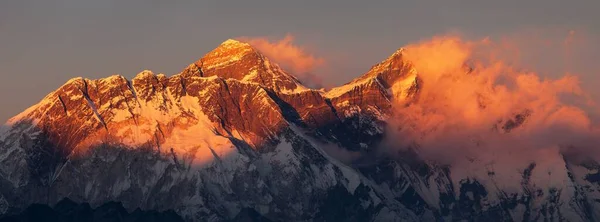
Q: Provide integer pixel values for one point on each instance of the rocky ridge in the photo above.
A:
(234, 132)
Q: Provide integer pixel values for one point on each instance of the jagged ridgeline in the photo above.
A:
(234, 135)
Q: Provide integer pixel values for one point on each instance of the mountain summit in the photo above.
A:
(235, 136)
(239, 60)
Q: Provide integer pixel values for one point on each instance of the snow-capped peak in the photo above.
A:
(144, 74)
(232, 43)
(392, 74)
(398, 51)
(239, 60)
(230, 51)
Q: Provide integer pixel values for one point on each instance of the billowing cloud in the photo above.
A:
(290, 56)
(477, 103)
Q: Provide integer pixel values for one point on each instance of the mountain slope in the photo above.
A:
(233, 134)
(205, 145)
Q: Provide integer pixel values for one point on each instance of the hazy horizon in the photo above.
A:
(45, 43)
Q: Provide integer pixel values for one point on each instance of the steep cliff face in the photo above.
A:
(233, 134)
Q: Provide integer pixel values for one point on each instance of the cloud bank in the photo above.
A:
(476, 102)
(290, 56)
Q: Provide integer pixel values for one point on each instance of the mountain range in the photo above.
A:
(235, 133)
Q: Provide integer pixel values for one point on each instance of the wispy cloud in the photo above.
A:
(292, 57)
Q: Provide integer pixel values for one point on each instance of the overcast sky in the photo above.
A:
(43, 43)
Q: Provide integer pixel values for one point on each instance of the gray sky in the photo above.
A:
(43, 43)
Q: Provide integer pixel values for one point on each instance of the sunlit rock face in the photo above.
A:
(238, 60)
(234, 136)
(232, 132)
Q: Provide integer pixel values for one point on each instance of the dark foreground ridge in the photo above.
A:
(67, 210)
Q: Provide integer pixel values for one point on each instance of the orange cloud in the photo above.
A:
(290, 56)
(464, 113)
